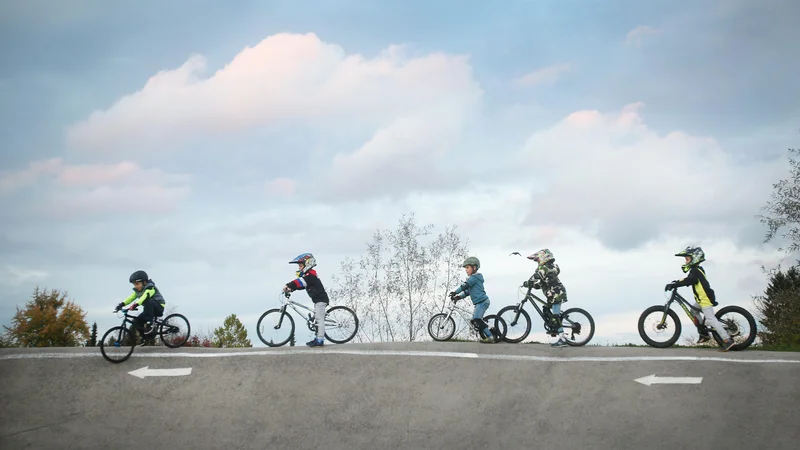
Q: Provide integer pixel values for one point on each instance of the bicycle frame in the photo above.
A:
(530, 297)
(127, 318)
(687, 308)
(452, 307)
(286, 301)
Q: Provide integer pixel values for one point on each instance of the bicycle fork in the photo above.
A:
(517, 312)
(280, 317)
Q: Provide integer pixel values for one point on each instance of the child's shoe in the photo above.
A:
(316, 343)
(488, 340)
(561, 342)
(703, 339)
(727, 345)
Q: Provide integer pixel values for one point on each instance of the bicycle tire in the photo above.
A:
(286, 316)
(179, 317)
(498, 328)
(750, 321)
(124, 337)
(449, 321)
(591, 322)
(671, 341)
(355, 320)
(523, 315)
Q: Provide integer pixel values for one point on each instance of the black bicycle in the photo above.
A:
(519, 321)
(118, 343)
(671, 330)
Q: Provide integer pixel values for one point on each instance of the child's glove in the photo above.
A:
(453, 297)
(120, 306)
(531, 284)
(671, 286)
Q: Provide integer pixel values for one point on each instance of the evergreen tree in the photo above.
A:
(231, 334)
(779, 308)
(93, 337)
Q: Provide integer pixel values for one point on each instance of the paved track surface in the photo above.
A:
(400, 396)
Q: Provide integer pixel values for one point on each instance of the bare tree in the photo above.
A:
(782, 212)
(350, 289)
(410, 271)
(400, 281)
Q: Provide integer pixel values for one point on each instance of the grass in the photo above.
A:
(777, 347)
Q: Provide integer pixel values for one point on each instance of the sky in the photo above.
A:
(210, 143)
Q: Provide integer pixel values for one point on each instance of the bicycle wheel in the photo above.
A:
(275, 320)
(518, 324)
(341, 318)
(174, 330)
(739, 323)
(497, 326)
(671, 330)
(116, 344)
(583, 326)
(441, 328)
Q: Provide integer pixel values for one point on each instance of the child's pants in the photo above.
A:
(557, 312)
(150, 310)
(480, 310)
(319, 315)
(712, 322)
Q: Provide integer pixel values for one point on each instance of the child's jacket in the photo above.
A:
(703, 294)
(312, 284)
(473, 288)
(150, 291)
(546, 279)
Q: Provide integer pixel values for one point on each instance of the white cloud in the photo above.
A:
(285, 76)
(636, 36)
(544, 75)
(414, 108)
(11, 181)
(12, 275)
(98, 188)
(405, 156)
(611, 175)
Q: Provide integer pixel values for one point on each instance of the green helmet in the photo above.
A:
(696, 253)
(472, 261)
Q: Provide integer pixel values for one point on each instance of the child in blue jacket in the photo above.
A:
(473, 288)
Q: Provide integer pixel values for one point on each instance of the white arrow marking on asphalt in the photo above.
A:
(653, 379)
(145, 372)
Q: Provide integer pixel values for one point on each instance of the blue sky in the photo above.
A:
(693, 162)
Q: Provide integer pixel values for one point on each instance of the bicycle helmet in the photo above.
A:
(543, 256)
(307, 259)
(472, 261)
(696, 253)
(139, 275)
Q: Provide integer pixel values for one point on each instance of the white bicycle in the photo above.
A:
(341, 323)
(442, 326)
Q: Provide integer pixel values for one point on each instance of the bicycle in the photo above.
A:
(551, 321)
(445, 321)
(733, 327)
(121, 338)
(336, 318)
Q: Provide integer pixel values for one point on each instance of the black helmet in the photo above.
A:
(139, 275)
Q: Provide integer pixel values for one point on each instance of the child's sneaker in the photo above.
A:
(315, 343)
(488, 340)
(703, 339)
(559, 343)
(727, 345)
